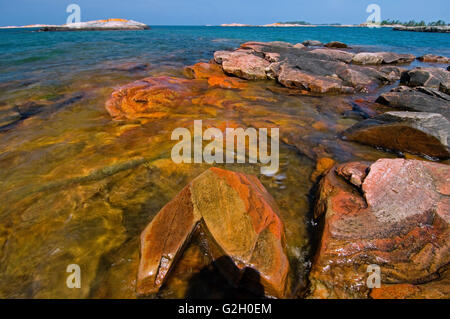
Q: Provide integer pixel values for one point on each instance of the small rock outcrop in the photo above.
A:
(392, 214)
(431, 58)
(336, 44)
(435, 78)
(238, 221)
(419, 99)
(418, 133)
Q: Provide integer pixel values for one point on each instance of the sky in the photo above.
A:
(214, 12)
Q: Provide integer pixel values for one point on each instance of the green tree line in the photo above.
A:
(413, 23)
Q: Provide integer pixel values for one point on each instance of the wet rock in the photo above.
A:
(435, 78)
(336, 44)
(336, 55)
(215, 76)
(246, 66)
(294, 78)
(317, 71)
(323, 164)
(437, 289)
(434, 29)
(417, 99)
(395, 58)
(413, 132)
(394, 214)
(312, 43)
(393, 72)
(239, 225)
(431, 58)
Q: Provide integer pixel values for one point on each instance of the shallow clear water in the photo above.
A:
(78, 187)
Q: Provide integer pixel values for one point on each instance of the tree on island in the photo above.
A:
(413, 23)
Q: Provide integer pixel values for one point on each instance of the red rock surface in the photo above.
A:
(152, 97)
(238, 221)
(392, 213)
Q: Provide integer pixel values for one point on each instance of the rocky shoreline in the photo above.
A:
(390, 212)
(434, 29)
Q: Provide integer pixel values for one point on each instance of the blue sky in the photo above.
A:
(201, 12)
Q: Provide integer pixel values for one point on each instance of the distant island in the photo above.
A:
(412, 25)
(96, 25)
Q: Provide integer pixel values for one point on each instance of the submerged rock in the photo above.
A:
(413, 132)
(393, 214)
(417, 99)
(153, 97)
(239, 225)
(9, 114)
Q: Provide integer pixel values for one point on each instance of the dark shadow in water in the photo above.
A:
(210, 283)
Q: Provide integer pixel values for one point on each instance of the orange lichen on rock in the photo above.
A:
(152, 97)
(215, 76)
(392, 213)
(238, 221)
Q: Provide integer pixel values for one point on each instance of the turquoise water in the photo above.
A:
(25, 54)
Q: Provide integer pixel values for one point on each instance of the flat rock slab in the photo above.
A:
(393, 213)
(238, 222)
(420, 99)
(435, 78)
(426, 134)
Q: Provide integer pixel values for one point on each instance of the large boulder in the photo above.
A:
(293, 78)
(435, 78)
(374, 58)
(245, 65)
(431, 58)
(419, 133)
(393, 214)
(238, 222)
(336, 44)
(417, 99)
(314, 43)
